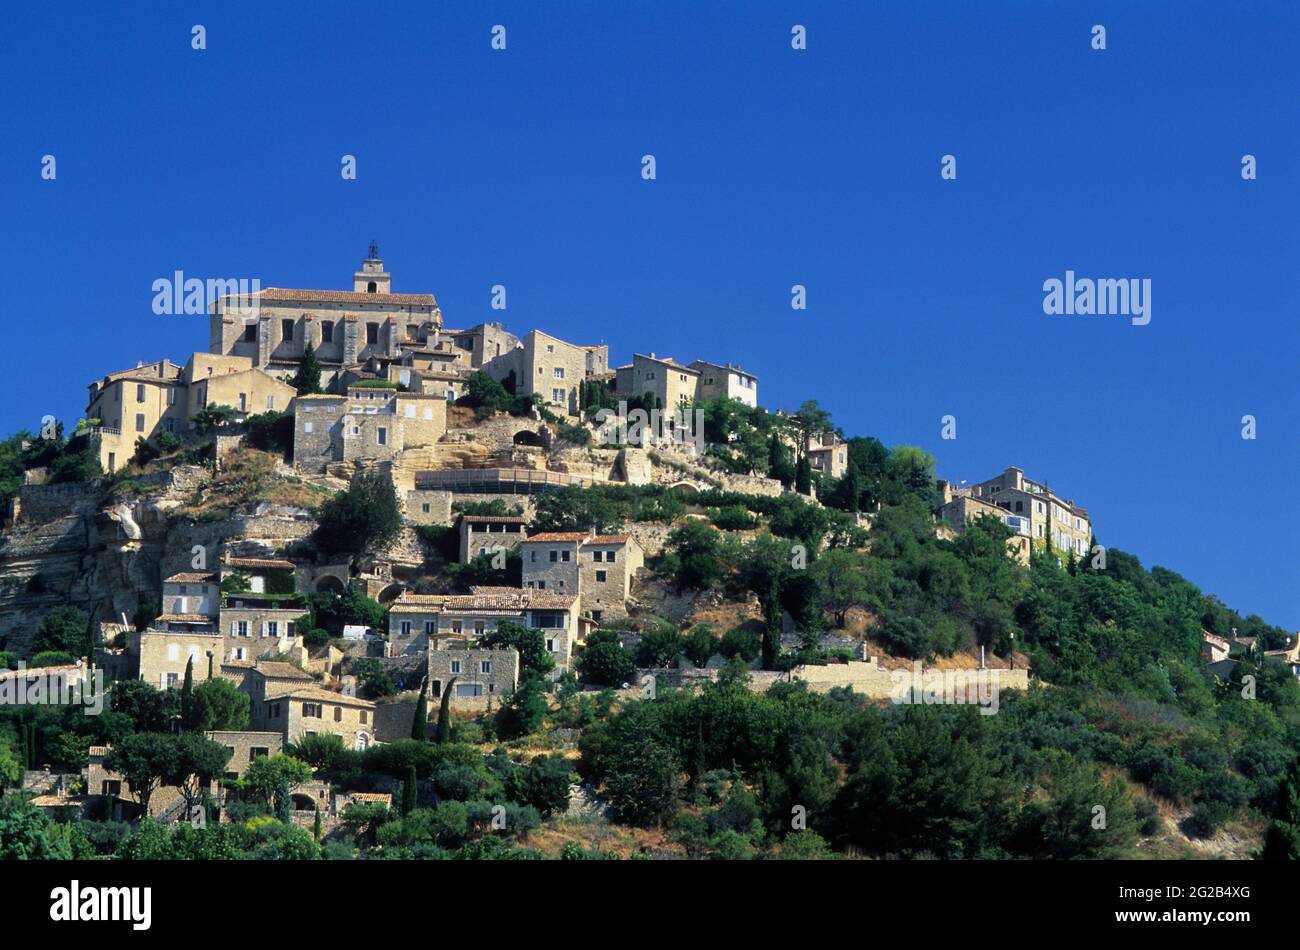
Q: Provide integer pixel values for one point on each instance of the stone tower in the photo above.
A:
(372, 278)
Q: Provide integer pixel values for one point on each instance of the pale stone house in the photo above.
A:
(1051, 517)
(162, 397)
(165, 653)
(370, 422)
(482, 675)
(718, 380)
(483, 534)
(962, 509)
(308, 710)
(545, 365)
(829, 456)
(192, 592)
(599, 569)
(244, 747)
(672, 384)
(417, 620)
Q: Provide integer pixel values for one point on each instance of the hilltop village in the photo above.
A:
(347, 527)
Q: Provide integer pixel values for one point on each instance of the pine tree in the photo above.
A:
(307, 379)
(421, 720)
(408, 792)
(444, 714)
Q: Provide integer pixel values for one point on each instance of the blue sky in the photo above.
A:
(775, 167)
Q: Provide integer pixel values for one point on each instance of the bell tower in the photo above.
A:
(372, 278)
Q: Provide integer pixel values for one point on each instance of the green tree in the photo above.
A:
(187, 695)
(364, 517)
(421, 719)
(62, 629)
(213, 417)
(220, 704)
(443, 732)
(307, 380)
(531, 645)
(605, 662)
(409, 792)
(265, 775)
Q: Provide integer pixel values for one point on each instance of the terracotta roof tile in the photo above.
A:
(288, 294)
(191, 577)
(559, 536)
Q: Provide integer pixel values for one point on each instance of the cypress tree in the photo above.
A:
(803, 476)
(408, 791)
(283, 805)
(187, 695)
(307, 379)
(315, 828)
(421, 712)
(444, 714)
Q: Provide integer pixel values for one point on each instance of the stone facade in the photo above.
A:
(545, 365)
(309, 710)
(343, 327)
(483, 676)
(482, 534)
(608, 564)
(428, 506)
(717, 380)
(244, 747)
(165, 653)
(1051, 516)
(368, 423)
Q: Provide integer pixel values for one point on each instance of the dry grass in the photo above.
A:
(248, 478)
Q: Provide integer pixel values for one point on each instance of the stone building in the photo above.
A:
(1051, 517)
(162, 397)
(344, 327)
(192, 592)
(308, 710)
(961, 510)
(165, 653)
(717, 380)
(370, 422)
(244, 746)
(483, 675)
(672, 384)
(599, 569)
(545, 365)
(829, 456)
(483, 534)
(417, 620)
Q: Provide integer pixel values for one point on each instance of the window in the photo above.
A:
(307, 427)
(455, 666)
(273, 628)
(456, 626)
(382, 436)
(338, 713)
(428, 627)
(243, 402)
(550, 645)
(595, 615)
(371, 287)
(258, 752)
(172, 678)
(609, 557)
(426, 507)
(564, 556)
(173, 652)
(327, 332)
(372, 330)
(363, 717)
(557, 395)
(139, 392)
(600, 576)
(139, 422)
(598, 556)
(487, 666)
(478, 626)
(406, 628)
(559, 372)
(311, 710)
(286, 330)
(171, 397)
(555, 556)
(550, 348)
(270, 402)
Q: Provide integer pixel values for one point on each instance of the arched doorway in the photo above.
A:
(329, 584)
(528, 437)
